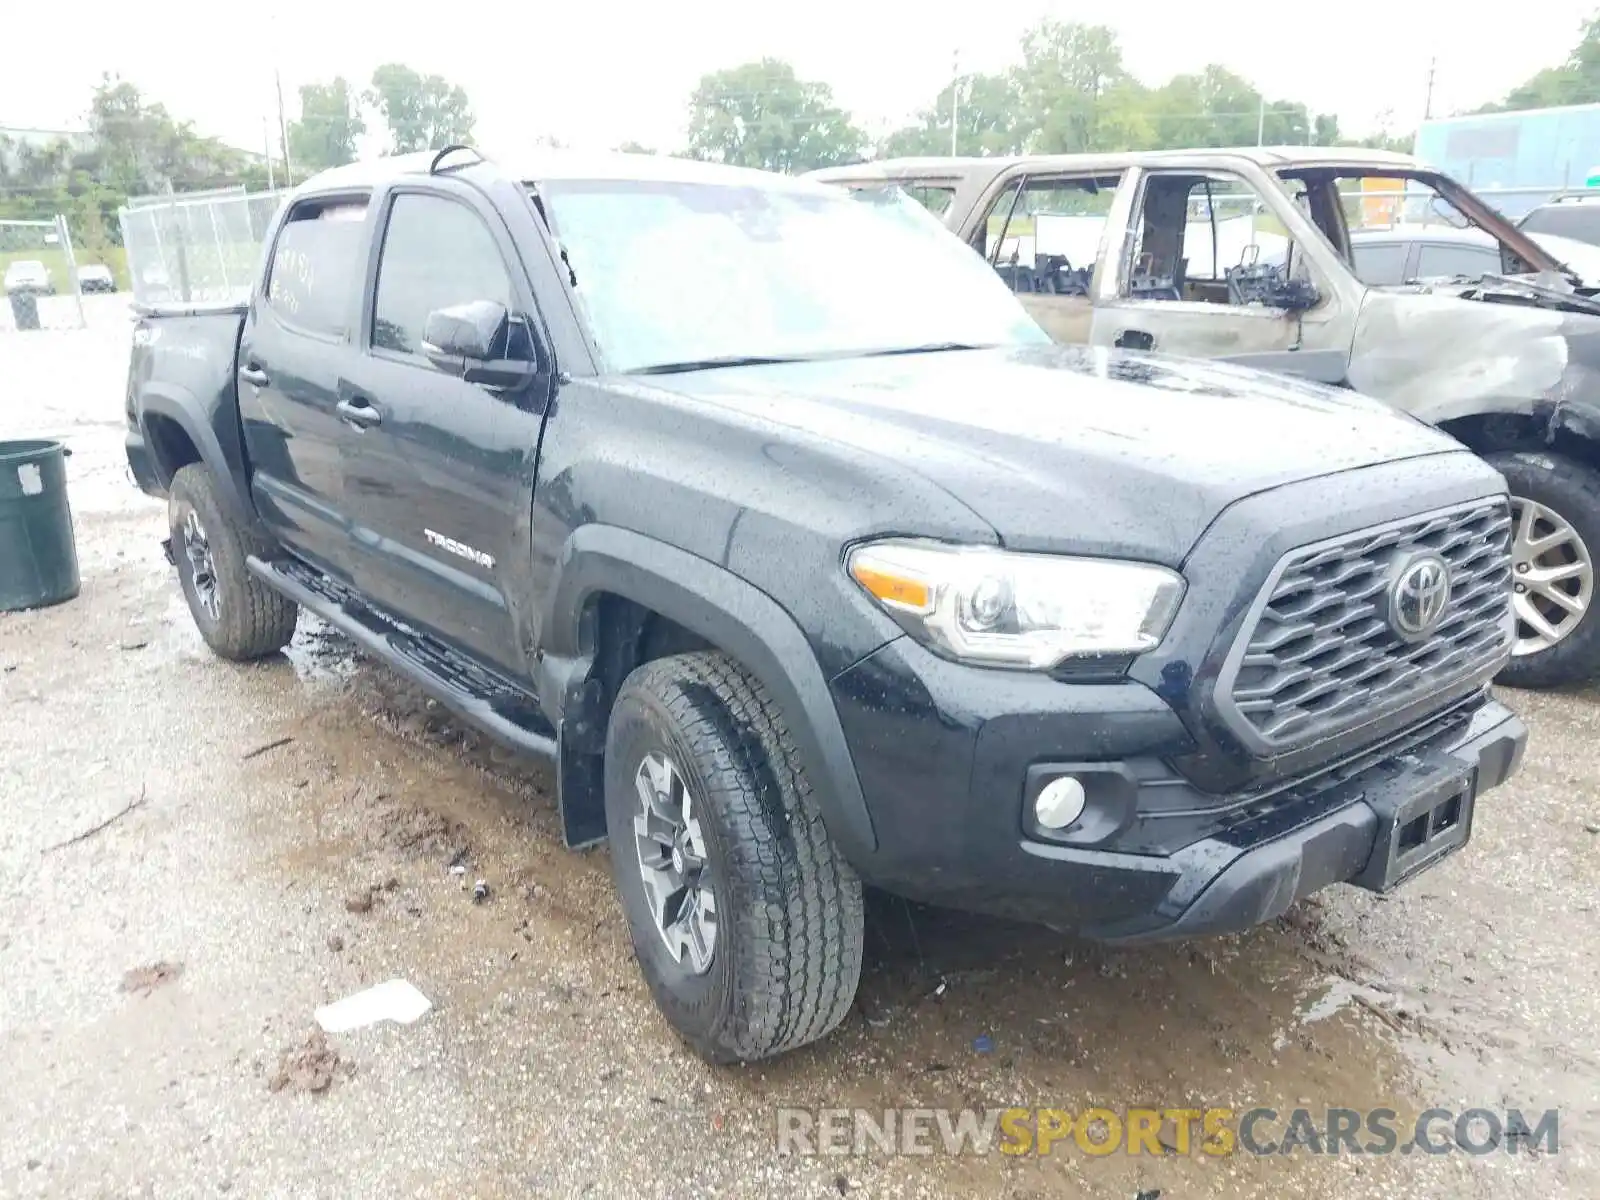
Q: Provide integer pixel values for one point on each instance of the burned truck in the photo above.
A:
(1247, 256)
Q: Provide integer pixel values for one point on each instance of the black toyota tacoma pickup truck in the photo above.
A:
(625, 460)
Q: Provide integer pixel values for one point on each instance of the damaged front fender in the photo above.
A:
(1442, 358)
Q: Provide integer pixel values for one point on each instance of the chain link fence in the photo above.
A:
(197, 247)
(41, 289)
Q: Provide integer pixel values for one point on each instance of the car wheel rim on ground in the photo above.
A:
(673, 863)
(202, 568)
(1553, 576)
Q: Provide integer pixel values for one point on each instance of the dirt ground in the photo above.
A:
(195, 856)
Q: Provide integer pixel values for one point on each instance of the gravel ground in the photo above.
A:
(278, 836)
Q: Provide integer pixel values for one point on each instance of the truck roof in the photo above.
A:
(544, 165)
(1266, 156)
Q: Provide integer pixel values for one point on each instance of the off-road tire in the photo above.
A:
(787, 954)
(252, 620)
(1573, 491)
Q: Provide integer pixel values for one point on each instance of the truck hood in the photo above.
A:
(1086, 450)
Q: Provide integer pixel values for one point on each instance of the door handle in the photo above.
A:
(1134, 339)
(253, 375)
(358, 412)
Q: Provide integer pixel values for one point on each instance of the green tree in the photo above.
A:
(1217, 107)
(139, 147)
(632, 147)
(423, 112)
(133, 148)
(330, 122)
(1074, 91)
(989, 121)
(1575, 81)
(762, 115)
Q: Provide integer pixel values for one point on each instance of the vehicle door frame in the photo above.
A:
(335, 521)
(1413, 261)
(536, 399)
(1342, 293)
(973, 227)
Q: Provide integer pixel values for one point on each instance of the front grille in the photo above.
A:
(1320, 654)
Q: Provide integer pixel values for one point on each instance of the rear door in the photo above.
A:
(440, 488)
(295, 344)
(1446, 260)
(1381, 262)
(1045, 235)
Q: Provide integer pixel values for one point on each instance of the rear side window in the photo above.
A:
(1438, 260)
(436, 253)
(1578, 221)
(1380, 264)
(316, 263)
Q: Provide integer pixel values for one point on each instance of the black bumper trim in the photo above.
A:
(1227, 888)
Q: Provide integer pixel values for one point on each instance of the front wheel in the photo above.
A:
(746, 922)
(1555, 525)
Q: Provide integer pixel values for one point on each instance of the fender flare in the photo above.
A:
(731, 614)
(1551, 415)
(184, 410)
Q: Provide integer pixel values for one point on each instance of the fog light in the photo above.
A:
(1059, 803)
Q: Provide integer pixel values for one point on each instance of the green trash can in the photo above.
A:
(38, 557)
(24, 309)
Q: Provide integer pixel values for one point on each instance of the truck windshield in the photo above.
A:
(679, 274)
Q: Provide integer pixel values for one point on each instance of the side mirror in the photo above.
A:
(479, 341)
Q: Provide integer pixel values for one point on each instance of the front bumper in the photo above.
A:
(945, 754)
(1257, 870)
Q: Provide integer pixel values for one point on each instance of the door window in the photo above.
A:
(1044, 234)
(934, 197)
(436, 253)
(311, 283)
(1380, 264)
(1204, 237)
(1580, 221)
(1441, 260)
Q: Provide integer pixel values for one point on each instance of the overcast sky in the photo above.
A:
(595, 76)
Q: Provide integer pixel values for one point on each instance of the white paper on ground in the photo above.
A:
(395, 1000)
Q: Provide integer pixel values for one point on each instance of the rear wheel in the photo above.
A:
(238, 615)
(746, 922)
(1555, 524)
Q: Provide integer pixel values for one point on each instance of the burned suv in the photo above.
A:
(1246, 256)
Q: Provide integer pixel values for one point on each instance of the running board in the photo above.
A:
(490, 701)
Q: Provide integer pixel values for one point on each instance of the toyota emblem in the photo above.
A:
(1419, 596)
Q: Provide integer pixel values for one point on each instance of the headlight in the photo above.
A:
(998, 608)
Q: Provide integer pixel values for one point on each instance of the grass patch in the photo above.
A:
(55, 261)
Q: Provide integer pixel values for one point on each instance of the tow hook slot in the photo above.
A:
(1421, 818)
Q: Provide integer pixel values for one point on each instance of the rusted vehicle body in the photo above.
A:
(1245, 255)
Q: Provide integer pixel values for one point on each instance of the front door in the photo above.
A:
(440, 490)
(1203, 244)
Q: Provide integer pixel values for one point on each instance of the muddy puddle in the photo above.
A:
(361, 818)
(390, 795)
